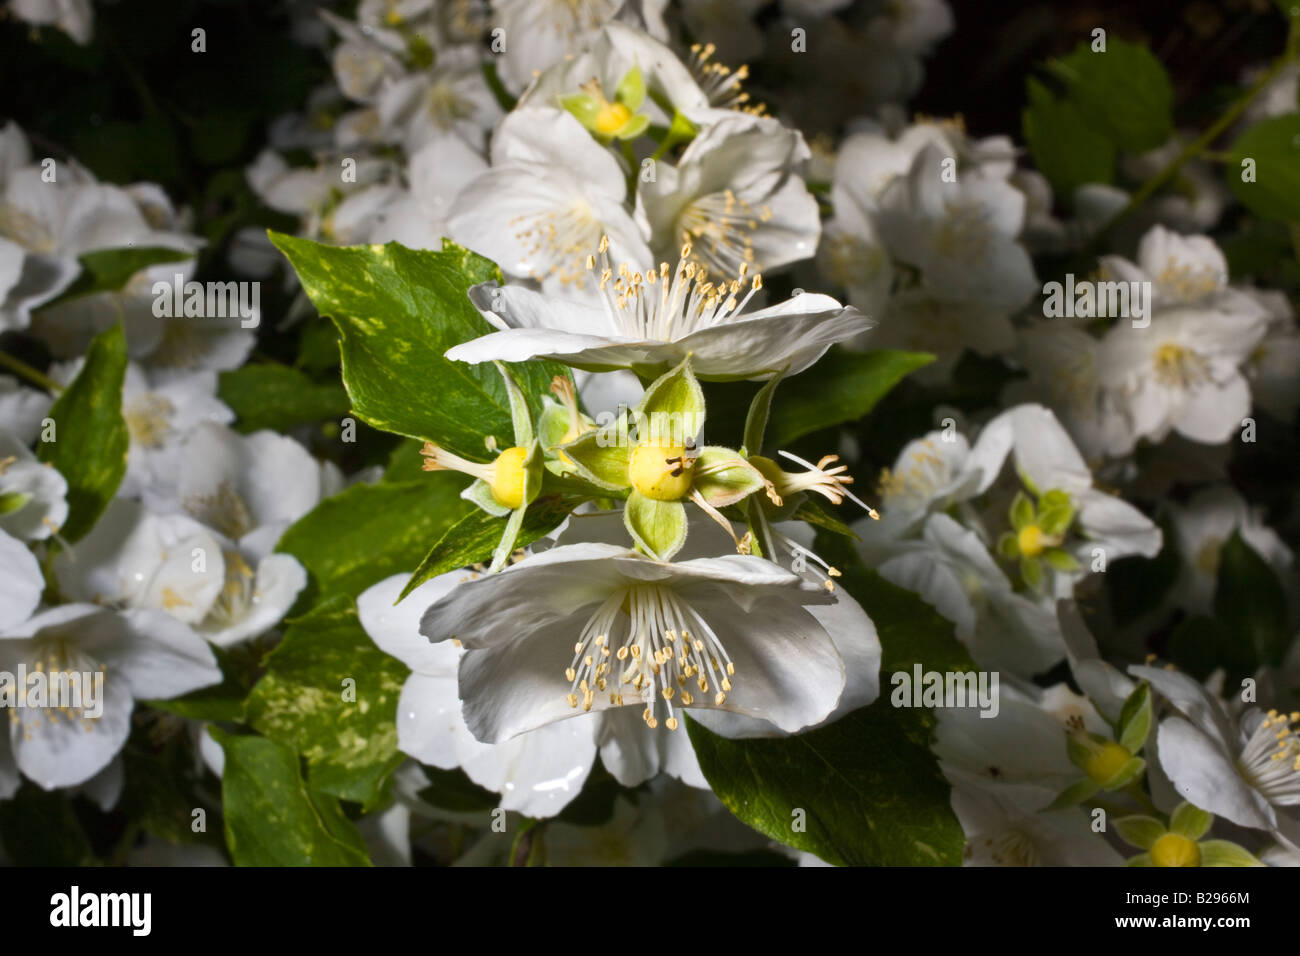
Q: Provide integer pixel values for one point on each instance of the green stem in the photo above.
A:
(26, 371)
(1201, 143)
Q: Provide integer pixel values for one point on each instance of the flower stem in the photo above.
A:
(26, 371)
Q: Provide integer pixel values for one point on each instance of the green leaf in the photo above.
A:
(272, 818)
(842, 387)
(1190, 821)
(1065, 148)
(1135, 720)
(398, 310)
(1274, 146)
(868, 787)
(1139, 831)
(279, 397)
(1226, 853)
(91, 439)
(869, 783)
(302, 701)
(1123, 93)
(659, 527)
(473, 539)
(1250, 604)
(367, 532)
(107, 270)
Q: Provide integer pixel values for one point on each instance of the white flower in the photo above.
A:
(550, 196)
(76, 18)
(1247, 772)
(1181, 373)
(1183, 271)
(1046, 460)
(615, 51)
(999, 833)
(21, 581)
(1020, 755)
(22, 409)
(1202, 527)
(250, 488)
(596, 626)
(451, 99)
(171, 563)
(925, 320)
(736, 196)
(417, 217)
(142, 655)
(540, 33)
(1272, 366)
(537, 772)
(651, 322)
(951, 569)
(33, 496)
(961, 234)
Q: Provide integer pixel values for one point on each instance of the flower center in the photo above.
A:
(1030, 540)
(653, 647)
(1106, 761)
(508, 473)
(661, 472)
(1174, 849)
(1270, 761)
(1179, 367)
(148, 420)
(611, 118)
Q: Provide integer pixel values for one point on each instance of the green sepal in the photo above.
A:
(601, 458)
(584, 108)
(11, 501)
(760, 408)
(1008, 546)
(675, 393)
(1021, 512)
(731, 480)
(631, 89)
(1190, 821)
(480, 494)
(1134, 721)
(658, 527)
(520, 417)
(1126, 774)
(1055, 512)
(1031, 572)
(1074, 794)
(1139, 831)
(1226, 853)
(1061, 560)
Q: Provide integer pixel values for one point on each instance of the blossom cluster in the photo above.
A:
(632, 508)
